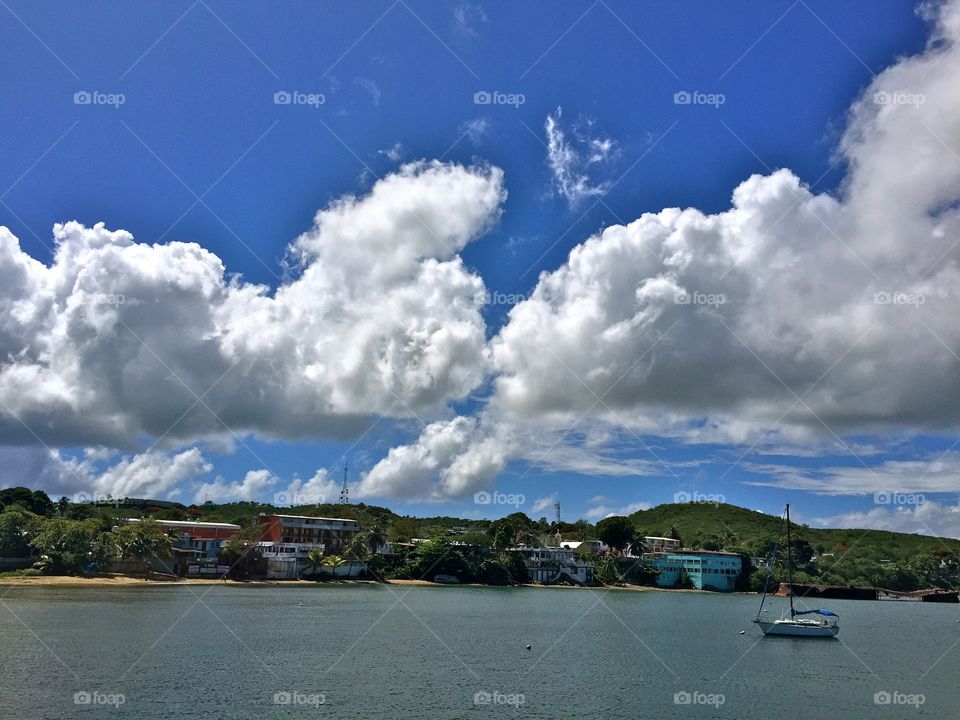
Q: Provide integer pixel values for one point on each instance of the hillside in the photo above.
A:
(730, 525)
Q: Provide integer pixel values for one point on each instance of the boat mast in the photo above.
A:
(790, 564)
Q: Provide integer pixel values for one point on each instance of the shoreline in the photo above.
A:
(128, 581)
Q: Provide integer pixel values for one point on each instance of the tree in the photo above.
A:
(143, 541)
(618, 532)
(315, 557)
(15, 531)
(501, 534)
(494, 572)
(607, 569)
(244, 556)
(437, 557)
(35, 501)
(516, 567)
(357, 548)
(376, 537)
(582, 527)
(333, 562)
(67, 546)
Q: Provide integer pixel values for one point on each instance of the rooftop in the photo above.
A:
(190, 524)
(309, 517)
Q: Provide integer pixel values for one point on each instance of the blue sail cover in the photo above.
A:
(829, 613)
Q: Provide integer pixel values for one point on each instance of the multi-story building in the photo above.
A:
(550, 565)
(328, 534)
(654, 544)
(706, 569)
(286, 541)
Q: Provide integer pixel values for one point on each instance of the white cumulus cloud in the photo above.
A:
(116, 340)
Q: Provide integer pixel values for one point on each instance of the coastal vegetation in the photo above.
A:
(62, 537)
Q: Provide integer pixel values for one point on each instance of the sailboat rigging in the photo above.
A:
(826, 623)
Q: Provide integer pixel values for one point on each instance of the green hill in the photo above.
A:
(732, 525)
(861, 557)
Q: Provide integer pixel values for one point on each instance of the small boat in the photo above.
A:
(825, 623)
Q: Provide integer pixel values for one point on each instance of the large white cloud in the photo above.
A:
(116, 341)
(793, 316)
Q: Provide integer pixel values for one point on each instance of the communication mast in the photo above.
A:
(558, 536)
(344, 490)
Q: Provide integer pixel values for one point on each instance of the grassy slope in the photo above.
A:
(708, 519)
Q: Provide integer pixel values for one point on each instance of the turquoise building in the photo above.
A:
(706, 569)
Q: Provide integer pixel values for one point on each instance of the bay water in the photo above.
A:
(398, 652)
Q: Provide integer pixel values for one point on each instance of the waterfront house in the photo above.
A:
(654, 544)
(551, 565)
(594, 546)
(196, 548)
(707, 570)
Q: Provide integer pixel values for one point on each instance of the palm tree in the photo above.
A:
(315, 557)
(333, 561)
(357, 548)
(376, 538)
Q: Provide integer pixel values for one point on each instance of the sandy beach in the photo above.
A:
(162, 581)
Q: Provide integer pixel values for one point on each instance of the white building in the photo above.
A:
(550, 565)
(652, 543)
(594, 546)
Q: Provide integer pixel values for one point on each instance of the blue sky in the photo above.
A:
(184, 141)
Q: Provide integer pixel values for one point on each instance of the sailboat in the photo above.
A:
(822, 623)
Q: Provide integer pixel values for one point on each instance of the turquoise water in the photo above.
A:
(424, 652)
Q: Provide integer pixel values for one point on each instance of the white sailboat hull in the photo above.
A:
(798, 628)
